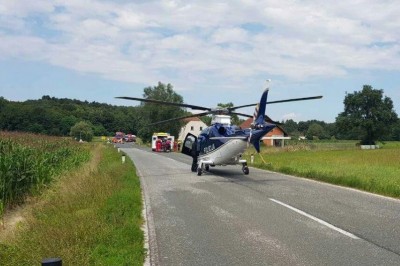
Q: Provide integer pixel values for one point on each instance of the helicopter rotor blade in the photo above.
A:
(279, 101)
(237, 137)
(179, 118)
(267, 118)
(241, 114)
(194, 107)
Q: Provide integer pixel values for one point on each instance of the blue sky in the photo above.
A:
(210, 51)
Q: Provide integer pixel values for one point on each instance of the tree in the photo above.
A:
(66, 123)
(35, 128)
(99, 130)
(82, 130)
(396, 131)
(316, 131)
(303, 127)
(290, 126)
(206, 119)
(151, 113)
(368, 114)
(330, 129)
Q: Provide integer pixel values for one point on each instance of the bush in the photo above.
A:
(82, 131)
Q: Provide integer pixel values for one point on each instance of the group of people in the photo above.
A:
(166, 145)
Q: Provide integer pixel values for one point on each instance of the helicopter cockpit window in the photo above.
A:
(213, 132)
(189, 142)
(205, 131)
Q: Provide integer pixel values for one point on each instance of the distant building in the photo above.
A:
(192, 125)
(276, 137)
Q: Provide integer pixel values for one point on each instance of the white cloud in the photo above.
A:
(203, 41)
(293, 116)
(229, 35)
(25, 8)
(26, 47)
(131, 20)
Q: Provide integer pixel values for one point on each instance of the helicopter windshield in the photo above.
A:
(205, 131)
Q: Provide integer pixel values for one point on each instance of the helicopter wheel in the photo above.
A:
(245, 170)
(199, 171)
(207, 167)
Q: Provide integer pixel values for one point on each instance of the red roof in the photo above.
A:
(187, 120)
(247, 123)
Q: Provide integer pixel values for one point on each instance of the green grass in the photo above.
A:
(92, 217)
(389, 144)
(322, 144)
(375, 171)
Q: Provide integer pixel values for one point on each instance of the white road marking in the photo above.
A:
(316, 219)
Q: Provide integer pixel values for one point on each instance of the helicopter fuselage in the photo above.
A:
(221, 144)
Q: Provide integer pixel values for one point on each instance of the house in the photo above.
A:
(276, 137)
(192, 125)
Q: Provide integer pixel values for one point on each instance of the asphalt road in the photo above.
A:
(226, 218)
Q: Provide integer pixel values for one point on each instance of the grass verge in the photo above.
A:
(90, 217)
(375, 171)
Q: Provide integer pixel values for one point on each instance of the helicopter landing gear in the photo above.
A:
(203, 165)
(194, 167)
(194, 163)
(245, 169)
(200, 170)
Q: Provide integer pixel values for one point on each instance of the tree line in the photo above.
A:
(54, 116)
(320, 130)
(367, 116)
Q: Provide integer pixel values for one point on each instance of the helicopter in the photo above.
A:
(223, 143)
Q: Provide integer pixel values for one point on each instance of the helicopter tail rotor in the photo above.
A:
(259, 111)
(260, 126)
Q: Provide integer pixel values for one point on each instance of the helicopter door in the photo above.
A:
(189, 144)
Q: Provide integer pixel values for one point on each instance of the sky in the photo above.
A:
(210, 51)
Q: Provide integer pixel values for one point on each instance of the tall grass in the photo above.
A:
(30, 162)
(294, 144)
(375, 171)
(91, 216)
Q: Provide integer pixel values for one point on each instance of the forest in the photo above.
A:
(53, 116)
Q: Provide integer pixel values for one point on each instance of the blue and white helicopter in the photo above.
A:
(221, 143)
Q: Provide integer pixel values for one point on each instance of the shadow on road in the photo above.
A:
(236, 175)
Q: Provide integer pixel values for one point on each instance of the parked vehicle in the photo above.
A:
(130, 138)
(118, 138)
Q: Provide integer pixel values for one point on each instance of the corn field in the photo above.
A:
(29, 162)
